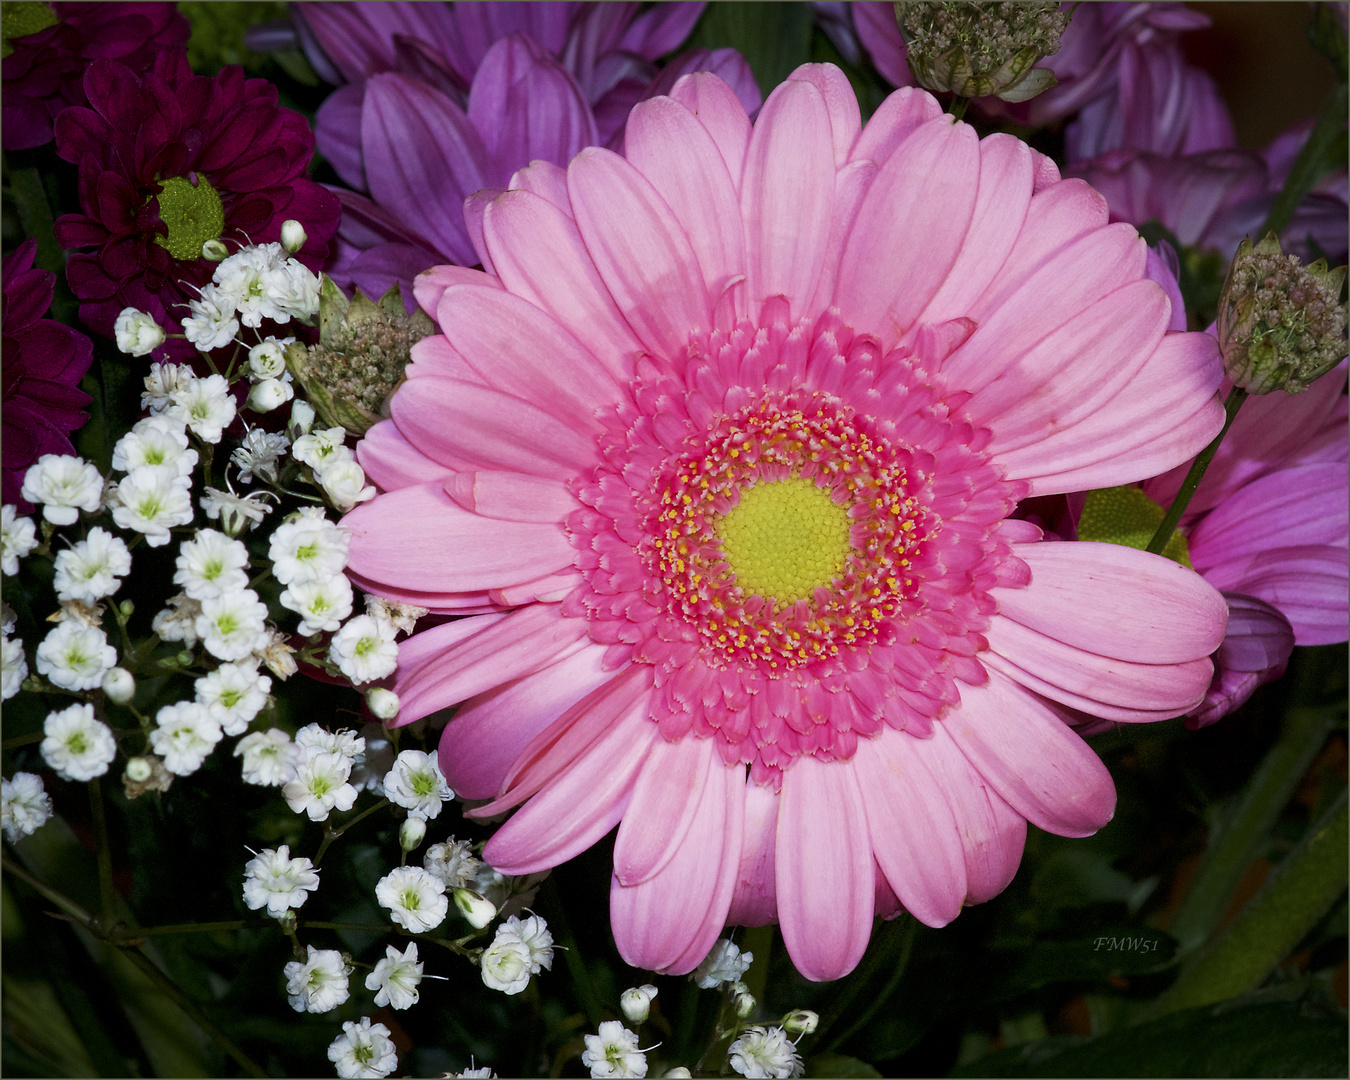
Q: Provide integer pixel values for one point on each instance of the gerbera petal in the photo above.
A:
(894, 263)
(642, 254)
(511, 496)
(755, 899)
(894, 121)
(1306, 584)
(402, 538)
(430, 285)
(720, 111)
(787, 195)
(840, 102)
(667, 923)
(391, 461)
(667, 795)
(1032, 758)
(913, 832)
(823, 868)
(1297, 507)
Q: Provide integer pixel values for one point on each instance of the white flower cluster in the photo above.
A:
(765, 1053)
(274, 880)
(13, 662)
(308, 553)
(415, 898)
(521, 948)
(18, 536)
(724, 963)
(321, 782)
(417, 784)
(614, 1052)
(253, 284)
(319, 983)
(363, 1050)
(25, 805)
(335, 466)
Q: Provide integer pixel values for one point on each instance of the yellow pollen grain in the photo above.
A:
(785, 539)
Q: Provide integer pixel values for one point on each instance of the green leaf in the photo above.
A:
(1264, 1039)
(1115, 950)
(774, 37)
(838, 1065)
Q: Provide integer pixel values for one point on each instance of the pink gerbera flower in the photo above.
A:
(723, 455)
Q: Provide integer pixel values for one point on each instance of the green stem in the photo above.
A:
(370, 928)
(1236, 397)
(59, 899)
(758, 942)
(107, 894)
(1299, 891)
(330, 834)
(23, 740)
(1310, 164)
(173, 991)
(193, 928)
(1238, 838)
(957, 109)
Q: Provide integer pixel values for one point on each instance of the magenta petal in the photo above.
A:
(824, 868)
(337, 133)
(490, 731)
(914, 835)
(1032, 758)
(1293, 507)
(1307, 585)
(669, 922)
(1255, 650)
(665, 799)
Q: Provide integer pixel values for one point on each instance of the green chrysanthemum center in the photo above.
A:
(785, 539)
(1126, 516)
(21, 19)
(193, 213)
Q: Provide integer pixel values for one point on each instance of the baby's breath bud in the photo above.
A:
(477, 910)
(215, 251)
(302, 419)
(679, 1072)
(293, 236)
(119, 684)
(269, 394)
(1281, 325)
(801, 1021)
(383, 703)
(287, 921)
(127, 608)
(636, 1002)
(139, 770)
(411, 833)
(982, 49)
(742, 999)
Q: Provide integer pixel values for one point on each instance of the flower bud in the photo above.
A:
(302, 419)
(288, 921)
(127, 608)
(411, 833)
(267, 359)
(293, 236)
(137, 332)
(979, 50)
(268, 394)
(801, 1021)
(119, 685)
(1281, 325)
(215, 251)
(344, 482)
(382, 703)
(742, 999)
(139, 770)
(636, 1002)
(477, 910)
(679, 1072)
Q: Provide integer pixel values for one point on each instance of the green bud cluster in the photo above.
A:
(1281, 325)
(982, 49)
(364, 348)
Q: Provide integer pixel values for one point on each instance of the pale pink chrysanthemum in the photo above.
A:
(821, 363)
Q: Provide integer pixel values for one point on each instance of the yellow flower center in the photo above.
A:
(193, 214)
(1126, 516)
(785, 539)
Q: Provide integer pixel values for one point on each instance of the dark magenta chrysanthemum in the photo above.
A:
(169, 161)
(44, 361)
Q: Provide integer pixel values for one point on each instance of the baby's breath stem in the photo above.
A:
(105, 874)
(330, 834)
(1236, 397)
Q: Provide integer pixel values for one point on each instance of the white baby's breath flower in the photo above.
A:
(319, 983)
(319, 449)
(235, 512)
(319, 740)
(724, 963)
(74, 657)
(233, 626)
(395, 978)
(363, 1050)
(383, 704)
(322, 605)
(344, 482)
(278, 655)
(156, 440)
(137, 333)
(25, 805)
(90, 570)
(274, 880)
(244, 276)
(614, 1052)
(18, 536)
(453, 862)
(13, 666)
(77, 746)
(308, 547)
(211, 322)
(270, 758)
(417, 784)
(211, 564)
(64, 485)
(519, 949)
(160, 385)
(206, 406)
(185, 736)
(416, 899)
(364, 649)
(533, 932)
(152, 499)
(260, 455)
(320, 785)
(178, 621)
(403, 616)
(765, 1054)
(234, 694)
(294, 291)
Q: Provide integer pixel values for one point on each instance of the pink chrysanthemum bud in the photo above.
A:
(1281, 325)
(982, 49)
